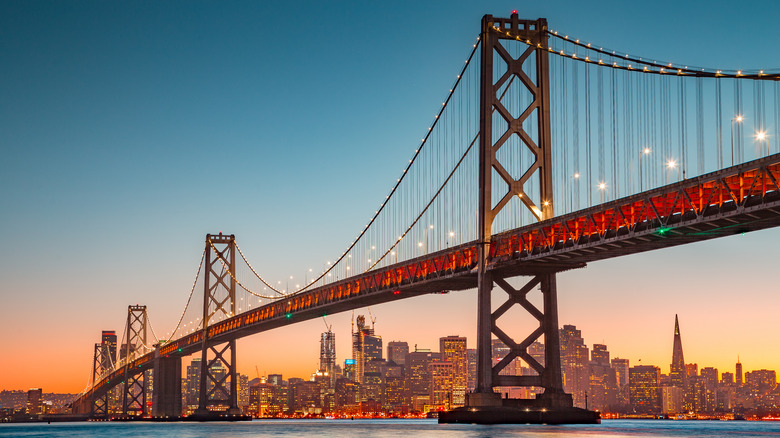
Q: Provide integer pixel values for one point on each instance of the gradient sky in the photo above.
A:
(128, 131)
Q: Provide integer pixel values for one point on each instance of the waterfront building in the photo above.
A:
(35, 401)
(442, 384)
(643, 389)
(365, 347)
(417, 374)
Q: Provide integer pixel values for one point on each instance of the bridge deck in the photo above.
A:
(733, 200)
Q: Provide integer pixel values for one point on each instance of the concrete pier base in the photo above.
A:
(490, 408)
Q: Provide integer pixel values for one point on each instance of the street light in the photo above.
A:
(602, 190)
(737, 119)
(645, 151)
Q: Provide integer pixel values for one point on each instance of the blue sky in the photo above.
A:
(129, 131)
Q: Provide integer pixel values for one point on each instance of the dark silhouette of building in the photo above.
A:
(397, 351)
(35, 401)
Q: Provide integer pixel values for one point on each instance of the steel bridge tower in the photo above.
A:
(218, 390)
(100, 405)
(134, 393)
(531, 69)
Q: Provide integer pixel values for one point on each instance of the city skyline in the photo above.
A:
(125, 194)
(417, 380)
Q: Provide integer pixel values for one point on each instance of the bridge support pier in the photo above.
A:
(166, 401)
(134, 392)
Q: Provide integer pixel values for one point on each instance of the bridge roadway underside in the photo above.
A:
(739, 199)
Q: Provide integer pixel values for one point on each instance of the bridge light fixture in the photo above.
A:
(761, 135)
(602, 186)
(739, 118)
(646, 151)
(576, 175)
(671, 164)
(452, 234)
(419, 244)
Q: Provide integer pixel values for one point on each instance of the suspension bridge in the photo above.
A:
(547, 153)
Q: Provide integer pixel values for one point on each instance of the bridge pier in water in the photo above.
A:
(166, 401)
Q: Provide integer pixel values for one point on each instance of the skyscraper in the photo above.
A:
(328, 355)
(643, 389)
(108, 339)
(397, 351)
(193, 382)
(365, 347)
(600, 354)
(453, 350)
(574, 364)
(677, 374)
(738, 374)
(35, 401)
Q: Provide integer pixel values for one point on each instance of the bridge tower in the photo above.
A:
(218, 379)
(531, 69)
(100, 403)
(134, 394)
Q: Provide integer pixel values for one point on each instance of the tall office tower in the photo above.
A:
(108, 339)
(193, 382)
(621, 376)
(643, 389)
(677, 374)
(471, 369)
(397, 351)
(621, 368)
(442, 384)
(393, 386)
(574, 364)
(417, 375)
(738, 374)
(453, 350)
(373, 381)
(349, 369)
(366, 346)
(243, 391)
(35, 401)
(600, 355)
(602, 386)
(709, 375)
(328, 356)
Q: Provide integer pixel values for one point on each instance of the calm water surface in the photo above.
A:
(393, 428)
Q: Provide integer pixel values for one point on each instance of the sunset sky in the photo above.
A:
(129, 131)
